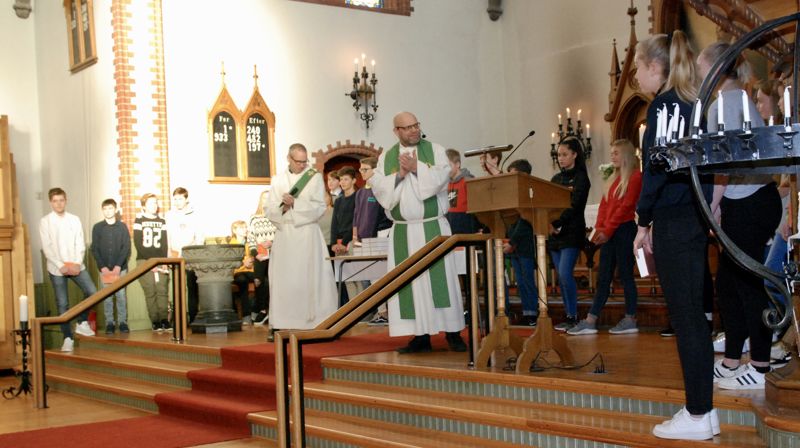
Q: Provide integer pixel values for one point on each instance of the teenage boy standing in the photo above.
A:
(111, 247)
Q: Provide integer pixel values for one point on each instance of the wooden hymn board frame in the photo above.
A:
(241, 144)
(80, 34)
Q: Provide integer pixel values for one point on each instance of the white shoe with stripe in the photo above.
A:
(721, 371)
(748, 378)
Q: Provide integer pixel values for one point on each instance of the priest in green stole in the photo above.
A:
(410, 182)
(301, 284)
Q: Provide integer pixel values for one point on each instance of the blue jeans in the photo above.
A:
(617, 253)
(564, 260)
(122, 305)
(525, 271)
(776, 256)
(62, 300)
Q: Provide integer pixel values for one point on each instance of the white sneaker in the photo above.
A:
(721, 371)
(714, 417)
(778, 351)
(748, 378)
(683, 426)
(84, 329)
(68, 345)
(719, 344)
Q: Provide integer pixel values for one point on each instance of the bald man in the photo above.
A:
(410, 182)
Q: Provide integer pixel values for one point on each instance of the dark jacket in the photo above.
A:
(111, 244)
(663, 193)
(520, 236)
(571, 221)
(342, 222)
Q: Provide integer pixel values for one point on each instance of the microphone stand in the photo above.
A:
(530, 134)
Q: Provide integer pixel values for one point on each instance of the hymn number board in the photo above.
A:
(242, 143)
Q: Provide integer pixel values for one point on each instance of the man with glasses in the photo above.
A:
(410, 182)
(302, 289)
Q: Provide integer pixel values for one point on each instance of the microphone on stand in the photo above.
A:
(530, 134)
(481, 151)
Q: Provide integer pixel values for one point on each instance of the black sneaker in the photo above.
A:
(110, 328)
(531, 321)
(419, 344)
(123, 327)
(157, 327)
(455, 342)
(667, 332)
(165, 325)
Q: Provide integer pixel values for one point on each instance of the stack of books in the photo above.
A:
(371, 246)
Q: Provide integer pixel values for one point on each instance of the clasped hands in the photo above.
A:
(70, 269)
(288, 202)
(408, 163)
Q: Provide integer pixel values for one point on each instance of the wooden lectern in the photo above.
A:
(493, 200)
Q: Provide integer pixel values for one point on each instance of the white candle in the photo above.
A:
(363, 60)
(552, 137)
(373, 67)
(579, 114)
(675, 117)
(771, 120)
(681, 124)
(355, 64)
(588, 131)
(745, 108)
(659, 130)
(559, 119)
(23, 308)
(642, 128)
(787, 106)
(568, 115)
(664, 118)
(720, 107)
(699, 112)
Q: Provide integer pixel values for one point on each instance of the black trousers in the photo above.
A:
(242, 281)
(260, 270)
(192, 294)
(679, 250)
(750, 222)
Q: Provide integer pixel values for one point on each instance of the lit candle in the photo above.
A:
(568, 115)
(699, 109)
(745, 109)
(552, 138)
(355, 64)
(588, 131)
(681, 125)
(642, 128)
(720, 107)
(23, 308)
(771, 120)
(787, 106)
(579, 114)
(373, 66)
(559, 119)
(363, 60)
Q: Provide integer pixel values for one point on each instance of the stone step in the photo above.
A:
(500, 420)
(106, 387)
(159, 349)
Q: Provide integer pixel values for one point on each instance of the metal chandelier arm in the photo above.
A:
(777, 316)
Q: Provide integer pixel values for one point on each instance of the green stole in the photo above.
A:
(302, 182)
(437, 273)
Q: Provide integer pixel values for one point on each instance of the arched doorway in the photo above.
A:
(347, 154)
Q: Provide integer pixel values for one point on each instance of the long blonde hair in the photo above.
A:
(629, 163)
(676, 58)
(260, 210)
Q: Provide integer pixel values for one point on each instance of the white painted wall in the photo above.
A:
(19, 100)
(472, 82)
(442, 63)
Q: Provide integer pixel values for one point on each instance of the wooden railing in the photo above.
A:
(179, 324)
(348, 316)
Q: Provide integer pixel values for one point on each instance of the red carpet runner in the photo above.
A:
(216, 407)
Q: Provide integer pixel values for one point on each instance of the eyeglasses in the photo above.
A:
(299, 162)
(363, 170)
(410, 127)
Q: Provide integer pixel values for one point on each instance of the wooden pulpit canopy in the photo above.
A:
(492, 197)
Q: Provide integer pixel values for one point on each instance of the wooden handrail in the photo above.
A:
(342, 320)
(38, 323)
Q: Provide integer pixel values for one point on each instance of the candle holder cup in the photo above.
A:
(747, 140)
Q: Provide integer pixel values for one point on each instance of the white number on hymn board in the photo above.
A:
(222, 136)
(253, 138)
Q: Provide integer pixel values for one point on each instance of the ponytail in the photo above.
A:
(676, 57)
(682, 72)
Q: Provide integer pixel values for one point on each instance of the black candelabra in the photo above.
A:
(364, 93)
(571, 131)
(25, 375)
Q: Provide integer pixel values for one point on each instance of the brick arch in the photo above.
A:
(356, 151)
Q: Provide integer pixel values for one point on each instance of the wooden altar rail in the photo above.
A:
(348, 316)
(179, 324)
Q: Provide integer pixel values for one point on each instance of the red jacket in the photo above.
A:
(615, 211)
